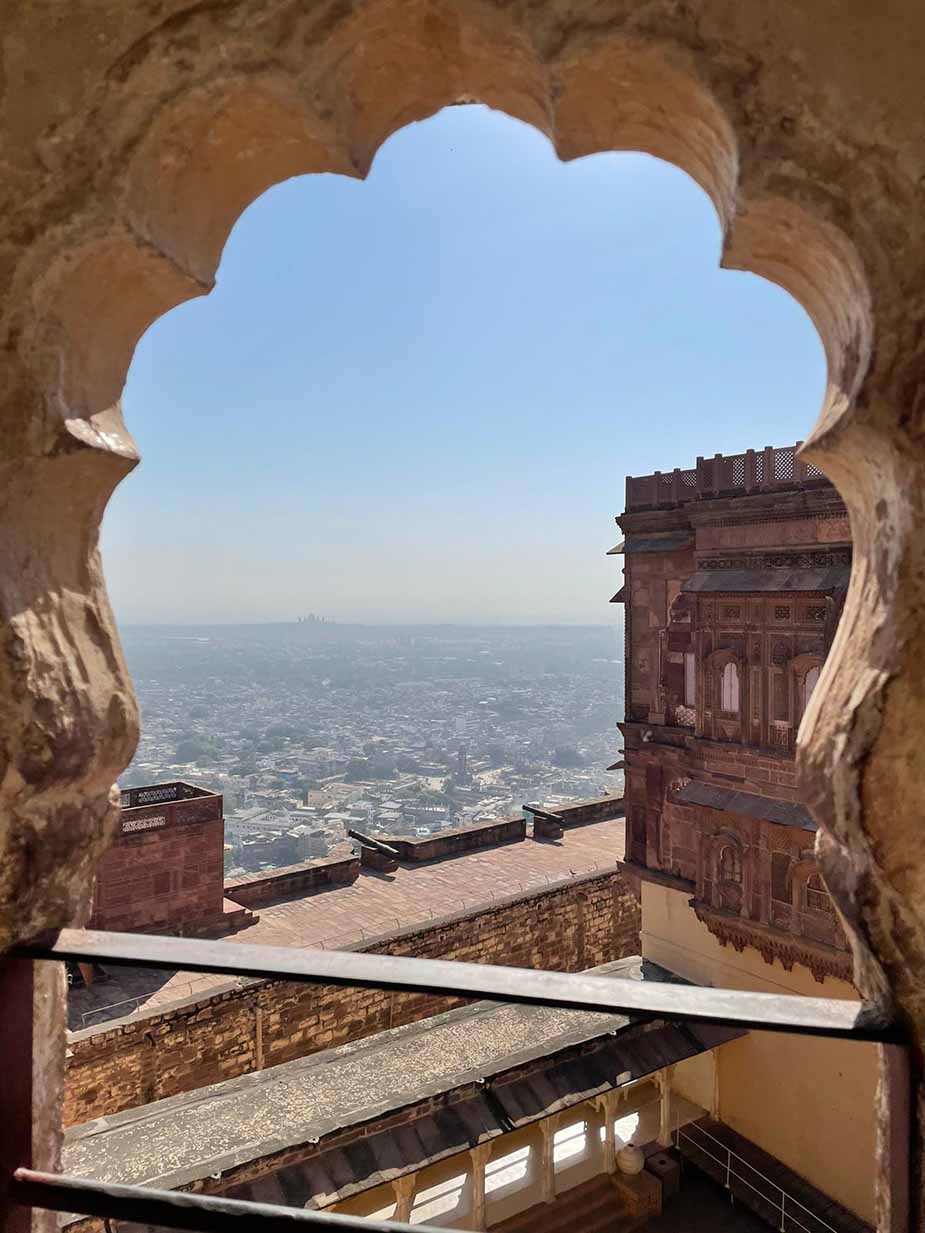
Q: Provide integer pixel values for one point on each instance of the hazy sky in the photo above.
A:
(417, 397)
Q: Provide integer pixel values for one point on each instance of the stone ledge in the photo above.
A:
(292, 880)
(453, 842)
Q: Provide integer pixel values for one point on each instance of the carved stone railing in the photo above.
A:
(767, 470)
(159, 794)
(167, 804)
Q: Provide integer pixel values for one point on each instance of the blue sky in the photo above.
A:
(416, 398)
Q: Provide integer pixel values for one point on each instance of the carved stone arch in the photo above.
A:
(809, 142)
(145, 177)
(800, 873)
(730, 879)
(714, 666)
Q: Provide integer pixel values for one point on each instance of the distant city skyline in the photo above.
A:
(414, 399)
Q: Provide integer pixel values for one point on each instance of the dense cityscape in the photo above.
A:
(312, 728)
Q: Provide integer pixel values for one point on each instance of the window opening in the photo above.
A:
(383, 1213)
(569, 1142)
(780, 877)
(730, 864)
(729, 689)
(438, 1200)
(815, 896)
(625, 1129)
(690, 679)
(781, 698)
(507, 1170)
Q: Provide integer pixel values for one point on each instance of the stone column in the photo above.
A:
(479, 1158)
(607, 1106)
(663, 1078)
(547, 1166)
(405, 1189)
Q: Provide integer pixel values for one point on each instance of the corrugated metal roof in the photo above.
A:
(343, 1171)
(783, 813)
(735, 581)
(580, 1078)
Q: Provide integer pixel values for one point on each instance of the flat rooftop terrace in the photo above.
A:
(377, 903)
(538, 1060)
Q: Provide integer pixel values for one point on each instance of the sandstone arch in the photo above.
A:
(809, 139)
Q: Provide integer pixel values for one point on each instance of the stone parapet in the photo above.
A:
(253, 891)
(243, 1026)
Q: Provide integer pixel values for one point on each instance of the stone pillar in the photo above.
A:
(607, 1107)
(663, 1078)
(547, 1165)
(405, 1189)
(479, 1158)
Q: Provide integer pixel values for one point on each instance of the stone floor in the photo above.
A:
(375, 904)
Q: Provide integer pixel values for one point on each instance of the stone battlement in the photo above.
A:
(767, 470)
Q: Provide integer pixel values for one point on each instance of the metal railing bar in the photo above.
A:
(178, 1210)
(738, 1177)
(790, 1199)
(785, 1194)
(570, 991)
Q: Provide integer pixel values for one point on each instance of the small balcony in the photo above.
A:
(167, 804)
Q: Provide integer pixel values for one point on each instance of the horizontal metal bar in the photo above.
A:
(572, 991)
(178, 1210)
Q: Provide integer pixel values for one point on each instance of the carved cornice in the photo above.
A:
(838, 559)
(773, 944)
(774, 516)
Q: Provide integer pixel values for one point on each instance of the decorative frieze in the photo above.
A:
(772, 944)
(837, 558)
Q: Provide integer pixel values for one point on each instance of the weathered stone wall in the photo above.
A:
(578, 924)
(161, 880)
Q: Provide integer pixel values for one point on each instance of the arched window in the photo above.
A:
(815, 896)
(690, 679)
(729, 689)
(730, 864)
(809, 684)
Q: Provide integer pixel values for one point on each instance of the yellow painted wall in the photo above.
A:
(807, 1101)
(695, 1078)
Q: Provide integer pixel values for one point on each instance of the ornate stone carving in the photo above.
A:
(834, 559)
(732, 929)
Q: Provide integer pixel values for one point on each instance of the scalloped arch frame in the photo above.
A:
(124, 208)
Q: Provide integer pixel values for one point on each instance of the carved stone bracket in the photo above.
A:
(821, 960)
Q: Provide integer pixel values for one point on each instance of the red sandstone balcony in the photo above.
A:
(767, 470)
(163, 804)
